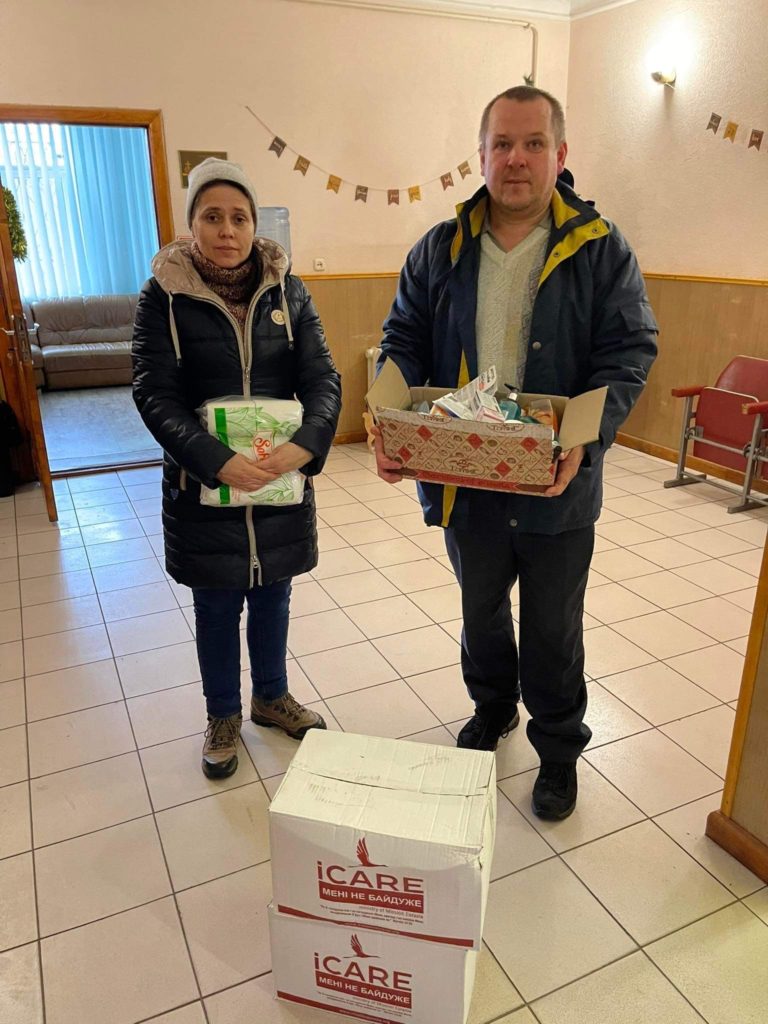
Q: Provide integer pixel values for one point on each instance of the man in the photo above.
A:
(532, 279)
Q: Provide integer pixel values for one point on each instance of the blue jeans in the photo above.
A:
(217, 620)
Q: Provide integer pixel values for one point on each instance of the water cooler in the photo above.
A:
(273, 222)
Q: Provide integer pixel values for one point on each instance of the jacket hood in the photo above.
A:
(569, 213)
(175, 272)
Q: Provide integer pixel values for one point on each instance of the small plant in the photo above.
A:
(18, 238)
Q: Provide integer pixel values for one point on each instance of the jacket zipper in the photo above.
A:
(183, 480)
(255, 575)
(245, 356)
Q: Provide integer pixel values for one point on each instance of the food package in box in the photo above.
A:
(511, 456)
(254, 427)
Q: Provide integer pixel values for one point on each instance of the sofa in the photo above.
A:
(82, 342)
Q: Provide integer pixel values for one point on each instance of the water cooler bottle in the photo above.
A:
(273, 223)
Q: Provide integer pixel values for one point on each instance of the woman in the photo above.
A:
(220, 317)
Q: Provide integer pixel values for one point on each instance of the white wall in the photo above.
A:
(690, 202)
(384, 99)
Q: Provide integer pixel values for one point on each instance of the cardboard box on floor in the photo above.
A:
(385, 834)
(370, 975)
(508, 456)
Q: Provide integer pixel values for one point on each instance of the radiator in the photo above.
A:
(371, 355)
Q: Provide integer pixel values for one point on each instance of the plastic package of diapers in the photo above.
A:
(254, 427)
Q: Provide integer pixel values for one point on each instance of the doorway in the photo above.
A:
(72, 453)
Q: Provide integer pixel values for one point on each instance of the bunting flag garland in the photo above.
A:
(334, 182)
(754, 136)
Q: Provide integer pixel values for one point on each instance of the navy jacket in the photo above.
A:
(591, 326)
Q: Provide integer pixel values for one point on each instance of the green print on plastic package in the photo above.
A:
(254, 427)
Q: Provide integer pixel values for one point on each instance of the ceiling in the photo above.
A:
(560, 9)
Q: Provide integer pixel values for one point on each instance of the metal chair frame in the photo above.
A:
(754, 453)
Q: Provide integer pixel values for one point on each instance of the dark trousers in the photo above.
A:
(546, 667)
(217, 622)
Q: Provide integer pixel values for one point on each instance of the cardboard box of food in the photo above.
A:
(370, 975)
(508, 456)
(385, 834)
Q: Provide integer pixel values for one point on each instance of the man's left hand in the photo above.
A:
(567, 468)
(285, 458)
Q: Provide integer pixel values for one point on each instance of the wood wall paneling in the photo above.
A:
(703, 324)
(352, 311)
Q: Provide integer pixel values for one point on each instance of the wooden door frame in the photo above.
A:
(152, 120)
(29, 460)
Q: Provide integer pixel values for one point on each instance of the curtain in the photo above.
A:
(86, 204)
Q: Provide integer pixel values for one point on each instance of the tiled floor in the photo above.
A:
(133, 889)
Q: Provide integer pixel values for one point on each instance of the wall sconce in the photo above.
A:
(665, 77)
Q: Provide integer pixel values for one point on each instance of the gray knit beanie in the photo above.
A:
(213, 169)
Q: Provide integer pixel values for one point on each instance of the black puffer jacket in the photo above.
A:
(188, 348)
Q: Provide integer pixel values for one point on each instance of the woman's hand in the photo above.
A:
(285, 458)
(388, 469)
(246, 474)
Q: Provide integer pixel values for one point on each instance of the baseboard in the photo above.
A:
(351, 437)
(113, 467)
(746, 848)
(658, 451)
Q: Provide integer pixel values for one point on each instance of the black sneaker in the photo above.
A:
(483, 732)
(555, 789)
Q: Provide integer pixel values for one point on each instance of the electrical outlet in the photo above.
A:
(319, 265)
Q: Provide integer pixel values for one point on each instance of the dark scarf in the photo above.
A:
(235, 285)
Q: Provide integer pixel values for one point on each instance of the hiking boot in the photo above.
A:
(287, 714)
(220, 746)
(555, 789)
(483, 731)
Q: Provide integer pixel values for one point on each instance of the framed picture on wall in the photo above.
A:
(189, 158)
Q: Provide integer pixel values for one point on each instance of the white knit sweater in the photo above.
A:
(507, 285)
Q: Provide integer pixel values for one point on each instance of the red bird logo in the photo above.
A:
(357, 951)
(363, 856)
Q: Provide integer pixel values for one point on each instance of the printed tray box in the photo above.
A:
(370, 976)
(492, 456)
(385, 834)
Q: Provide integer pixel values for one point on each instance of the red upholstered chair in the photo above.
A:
(727, 427)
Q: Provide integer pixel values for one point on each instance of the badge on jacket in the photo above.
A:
(278, 317)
